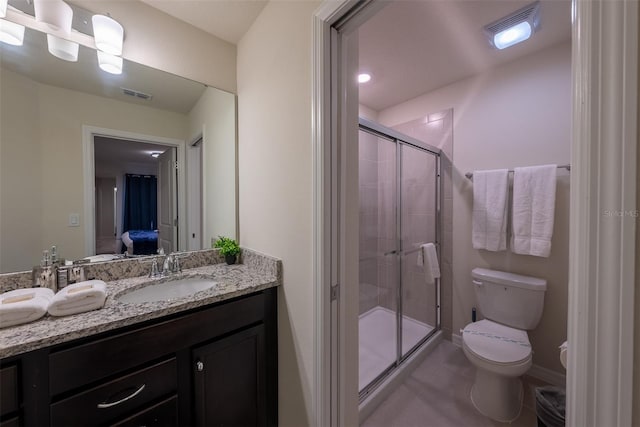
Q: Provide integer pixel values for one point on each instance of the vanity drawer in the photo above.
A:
(9, 386)
(85, 363)
(163, 414)
(113, 400)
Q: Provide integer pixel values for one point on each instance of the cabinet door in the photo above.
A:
(229, 380)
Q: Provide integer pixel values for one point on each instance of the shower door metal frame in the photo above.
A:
(401, 139)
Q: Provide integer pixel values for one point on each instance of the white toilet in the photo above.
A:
(498, 345)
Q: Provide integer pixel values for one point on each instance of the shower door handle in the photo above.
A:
(393, 252)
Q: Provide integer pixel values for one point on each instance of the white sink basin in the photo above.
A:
(167, 291)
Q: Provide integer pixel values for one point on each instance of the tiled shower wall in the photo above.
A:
(368, 191)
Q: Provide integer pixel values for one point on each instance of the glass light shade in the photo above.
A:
(3, 8)
(63, 49)
(108, 34)
(512, 35)
(110, 63)
(55, 13)
(11, 33)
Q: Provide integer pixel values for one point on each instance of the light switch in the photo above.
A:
(74, 220)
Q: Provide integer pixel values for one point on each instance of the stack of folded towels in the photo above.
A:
(26, 305)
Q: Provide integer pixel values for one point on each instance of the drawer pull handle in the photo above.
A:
(106, 405)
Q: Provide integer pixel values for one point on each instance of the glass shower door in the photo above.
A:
(378, 261)
(418, 223)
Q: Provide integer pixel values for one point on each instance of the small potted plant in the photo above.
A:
(229, 249)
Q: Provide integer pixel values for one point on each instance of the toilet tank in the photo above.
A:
(510, 299)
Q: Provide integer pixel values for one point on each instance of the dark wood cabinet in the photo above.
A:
(215, 365)
(229, 380)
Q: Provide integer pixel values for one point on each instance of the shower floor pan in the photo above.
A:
(377, 335)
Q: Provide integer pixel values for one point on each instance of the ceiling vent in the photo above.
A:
(514, 28)
(136, 94)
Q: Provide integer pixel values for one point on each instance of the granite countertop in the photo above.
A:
(233, 281)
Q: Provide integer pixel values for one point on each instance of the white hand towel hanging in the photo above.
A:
(534, 199)
(428, 258)
(489, 220)
(78, 298)
(23, 305)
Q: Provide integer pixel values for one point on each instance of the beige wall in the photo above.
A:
(160, 41)
(274, 130)
(20, 175)
(42, 177)
(213, 118)
(516, 115)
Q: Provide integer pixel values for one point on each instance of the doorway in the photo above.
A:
(109, 153)
(595, 126)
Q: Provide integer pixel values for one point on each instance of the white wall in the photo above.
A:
(43, 152)
(163, 42)
(274, 125)
(213, 118)
(515, 115)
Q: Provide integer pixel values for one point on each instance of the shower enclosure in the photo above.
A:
(399, 185)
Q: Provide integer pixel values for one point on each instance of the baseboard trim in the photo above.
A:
(543, 374)
(547, 375)
(456, 339)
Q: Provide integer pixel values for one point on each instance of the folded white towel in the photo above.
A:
(78, 298)
(489, 221)
(24, 305)
(534, 199)
(428, 257)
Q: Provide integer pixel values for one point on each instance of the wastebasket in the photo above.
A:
(550, 406)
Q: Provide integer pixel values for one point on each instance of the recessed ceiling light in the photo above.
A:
(364, 77)
(155, 155)
(514, 28)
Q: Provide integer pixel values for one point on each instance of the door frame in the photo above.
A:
(88, 172)
(602, 248)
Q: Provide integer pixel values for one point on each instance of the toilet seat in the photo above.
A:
(496, 344)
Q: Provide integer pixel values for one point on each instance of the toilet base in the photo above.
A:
(498, 397)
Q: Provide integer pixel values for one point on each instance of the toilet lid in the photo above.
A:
(495, 342)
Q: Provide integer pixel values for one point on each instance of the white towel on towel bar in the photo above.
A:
(489, 220)
(534, 199)
(428, 258)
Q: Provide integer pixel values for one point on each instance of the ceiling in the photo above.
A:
(110, 153)
(225, 19)
(169, 92)
(414, 47)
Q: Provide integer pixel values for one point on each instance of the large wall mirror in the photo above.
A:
(72, 137)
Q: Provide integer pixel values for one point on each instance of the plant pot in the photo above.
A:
(230, 259)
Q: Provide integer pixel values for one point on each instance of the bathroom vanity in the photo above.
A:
(208, 359)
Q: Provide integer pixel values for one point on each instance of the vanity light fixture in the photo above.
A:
(63, 49)
(3, 8)
(58, 15)
(514, 28)
(11, 33)
(364, 77)
(108, 34)
(110, 63)
(55, 13)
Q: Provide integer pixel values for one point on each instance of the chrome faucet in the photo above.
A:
(171, 265)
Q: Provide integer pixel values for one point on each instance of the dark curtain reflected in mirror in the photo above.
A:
(140, 202)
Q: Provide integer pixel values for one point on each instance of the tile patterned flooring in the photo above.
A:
(436, 394)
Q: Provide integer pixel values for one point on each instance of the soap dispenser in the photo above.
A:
(44, 275)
